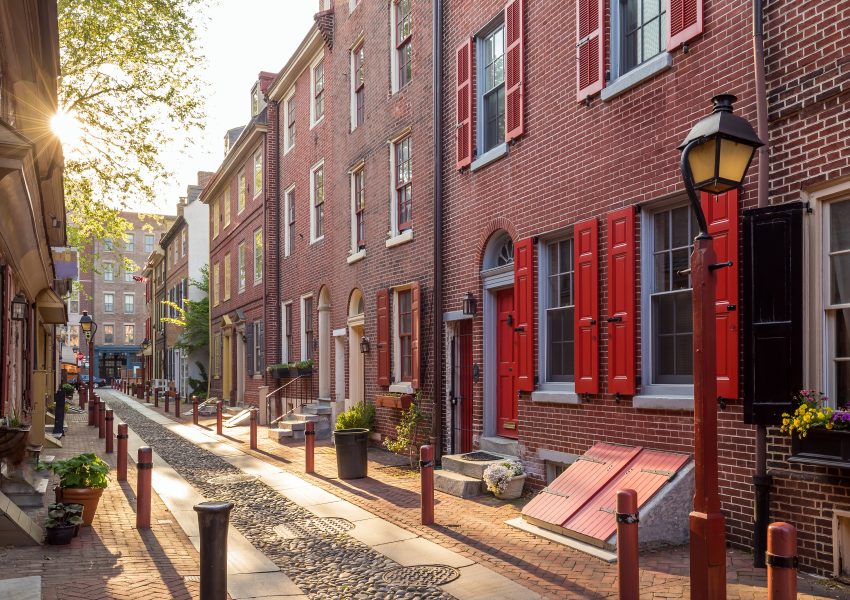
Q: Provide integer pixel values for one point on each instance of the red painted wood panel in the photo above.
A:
(586, 267)
(514, 70)
(506, 387)
(621, 302)
(524, 313)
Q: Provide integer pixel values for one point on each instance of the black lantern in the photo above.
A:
(469, 305)
(146, 343)
(88, 325)
(19, 307)
(364, 345)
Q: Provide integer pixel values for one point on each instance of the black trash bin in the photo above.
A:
(351, 456)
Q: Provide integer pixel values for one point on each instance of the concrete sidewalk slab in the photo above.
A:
(262, 585)
(477, 582)
(21, 588)
(419, 551)
(375, 531)
(341, 509)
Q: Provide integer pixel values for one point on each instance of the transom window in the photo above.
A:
(359, 85)
(405, 334)
(492, 93)
(837, 303)
(670, 296)
(403, 184)
(360, 208)
(643, 31)
(560, 346)
(403, 40)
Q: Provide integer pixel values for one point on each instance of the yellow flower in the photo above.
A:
(808, 418)
(796, 422)
(821, 416)
(829, 425)
(785, 421)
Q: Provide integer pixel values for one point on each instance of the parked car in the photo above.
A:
(84, 380)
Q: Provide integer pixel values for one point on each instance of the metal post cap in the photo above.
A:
(214, 507)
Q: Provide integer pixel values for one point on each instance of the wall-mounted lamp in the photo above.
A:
(469, 305)
(364, 345)
(19, 307)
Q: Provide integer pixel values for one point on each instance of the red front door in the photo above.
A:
(506, 391)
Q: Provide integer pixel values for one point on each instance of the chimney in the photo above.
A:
(181, 206)
(204, 178)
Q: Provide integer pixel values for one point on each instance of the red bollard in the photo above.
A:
(627, 544)
(310, 447)
(122, 436)
(101, 420)
(84, 397)
(194, 410)
(252, 430)
(781, 559)
(177, 405)
(144, 466)
(426, 467)
(110, 417)
(92, 409)
(218, 422)
(156, 398)
(167, 398)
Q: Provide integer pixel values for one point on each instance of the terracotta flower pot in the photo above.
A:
(88, 497)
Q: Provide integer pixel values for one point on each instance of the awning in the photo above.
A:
(51, 307)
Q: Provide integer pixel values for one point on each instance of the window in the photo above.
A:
(491, 92)
(74, 304)
(258, 346)
(405, 334)
(287, 333)
(837, 301)
(108, 245)
(258, 256)
(670, 331)
(642, 31)
(255, 101)
(307, 328)
(130, 242)
(403, 41)
(109, 303)
(109, 334)
(289, 131)
(403, 185)
(215, 217)
(289, 211)
(358, 181)
(317, 110)
(108, 272)
(217, 355)
(358, 86)
(183, 243)
(149, 243)
(557, 303)
(225, 203)
(242, 193)
(129, 334)
(258, 172)
(128, 277)
(216, 283)
(227, 276)
(240, 258)
(129, 304)
(317, 206)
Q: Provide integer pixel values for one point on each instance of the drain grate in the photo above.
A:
(232, 479)
(192, 578)
(302, 528)
(480, 456)
(421, 575)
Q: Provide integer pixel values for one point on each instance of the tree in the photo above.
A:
(128, 83)
(195, 317)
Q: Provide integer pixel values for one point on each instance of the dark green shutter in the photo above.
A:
(249, 347)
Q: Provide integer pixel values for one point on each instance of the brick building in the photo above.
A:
(237, 199)
(356, 236)
(566, 222)
(115, 300)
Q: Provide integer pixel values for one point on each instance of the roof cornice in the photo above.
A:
(243, 148)
(312, 44)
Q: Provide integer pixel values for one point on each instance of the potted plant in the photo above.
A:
(505, 479)
(279, 370)
(68, 390)
(819, 433)
(394, 400)
(351, 439)
(305, 367)
(14, 436)
(406, 433)
(63, 522)
(82, 480)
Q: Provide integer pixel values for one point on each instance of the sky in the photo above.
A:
(239, 39)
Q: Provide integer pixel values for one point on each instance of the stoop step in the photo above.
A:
(470, 468)
(456, 484)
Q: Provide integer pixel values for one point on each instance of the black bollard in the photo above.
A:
(59, 413)
(213, 520)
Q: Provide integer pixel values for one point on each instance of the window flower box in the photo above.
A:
(823, 447)
(388, 400)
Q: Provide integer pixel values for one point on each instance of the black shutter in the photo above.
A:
(249, 348)
(261, 348)
(772, 311)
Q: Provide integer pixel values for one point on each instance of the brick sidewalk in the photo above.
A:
(110, 559)
(475, 528)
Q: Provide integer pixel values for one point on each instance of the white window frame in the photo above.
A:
(225, 201)
(313, 169)
(288, 197)
(133, 296)
(399, 385)
(128, 276)
(132, 327)
(182, 243)
(241, 184)
(304, 318)
(394, 79)
(396, 236)
(216, 212)
(130, 242)
(562, 387)
(105, 325)
(258, 370)
(288, 142)
(257, 278)
(315, 63)
(228, 272)
(355, 253)
(352, 91)
(258, 157)
(480, 40)
(241, 267)
(109, 268)
(112, 296)
(284, 354)
(152, 238)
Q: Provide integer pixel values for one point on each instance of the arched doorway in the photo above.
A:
(324, 310)
(356, 362)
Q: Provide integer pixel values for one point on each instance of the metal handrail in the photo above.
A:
(269, 397)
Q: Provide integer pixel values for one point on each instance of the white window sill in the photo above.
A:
(316, 122)
(638, 75)
(401, 238)
(287, 150)
(316, 240)
(555, 397)
(668, 402)
(401, 388)
(356, 257)
(258, 281)
(492, 155)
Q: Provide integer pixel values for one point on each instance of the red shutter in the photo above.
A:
(590, 53)
(514, 69)
(465, 68)
(415, 338)
(621, 302)
(524, 310)
(383, 303)
(586, 298)
(684, 22)
(721, 211)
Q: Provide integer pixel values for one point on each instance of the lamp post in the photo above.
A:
(715, 157)
(89, 328)
(146, 343)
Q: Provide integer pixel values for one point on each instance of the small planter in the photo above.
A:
(402, 402)
(280, 372)
(304, 371)
(89, 498)
(822, 447)
(514, 488)
(60, 536)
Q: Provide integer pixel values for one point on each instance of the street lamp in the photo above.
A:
(89, 328)
(715, 157)
(19, 307)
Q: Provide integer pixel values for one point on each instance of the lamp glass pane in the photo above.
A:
(701, 159)
(734, 160)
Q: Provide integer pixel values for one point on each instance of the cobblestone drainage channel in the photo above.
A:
(303, 528)
(421, 575)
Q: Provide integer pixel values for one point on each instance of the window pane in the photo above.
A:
(662, 271)
(673, 338)
(680, 218)
(839, 218)
(681, 259)
(661, 226)
(840, 278)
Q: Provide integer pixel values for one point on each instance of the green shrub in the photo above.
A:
(406, 433)
(359, 416)
(82, 471)
(63, 515)
(67, 389)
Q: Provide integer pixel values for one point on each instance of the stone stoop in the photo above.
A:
(463, 477)
(292, 428)
(16, 528)
(25, 486)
